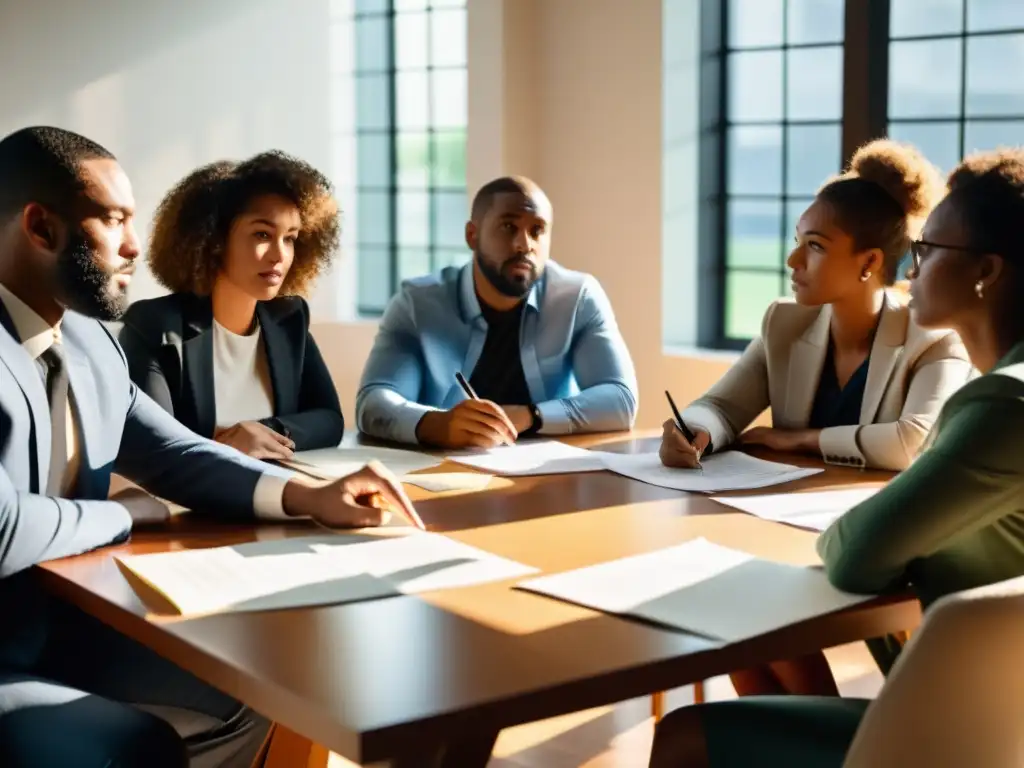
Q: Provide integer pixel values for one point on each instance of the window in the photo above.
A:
(954, 76)
(402, 150)
(790, 88)
(782, 120)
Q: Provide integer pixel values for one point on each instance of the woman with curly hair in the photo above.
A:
(953, 521)
(846, 373)
(229, 352)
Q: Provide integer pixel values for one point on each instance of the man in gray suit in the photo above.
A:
(74, 693)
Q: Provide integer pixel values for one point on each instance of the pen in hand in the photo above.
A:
(465, 386)
(377, 501)
(681, 426)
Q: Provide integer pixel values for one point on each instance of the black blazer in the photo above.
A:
(169, 345)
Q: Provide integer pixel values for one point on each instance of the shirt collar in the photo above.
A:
(471, 305)
(36, 334)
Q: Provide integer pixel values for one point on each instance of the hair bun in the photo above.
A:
(902, 171)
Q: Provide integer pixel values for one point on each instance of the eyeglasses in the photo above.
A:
(919, 250)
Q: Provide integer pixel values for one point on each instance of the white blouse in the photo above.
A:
(241, 377)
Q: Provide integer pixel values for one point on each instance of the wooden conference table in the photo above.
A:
(430, 680)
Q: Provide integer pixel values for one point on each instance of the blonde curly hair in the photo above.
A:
(192, 222)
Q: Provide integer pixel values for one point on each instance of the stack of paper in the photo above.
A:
(727, 471)
(439, 482)
(330, 463)
(296, 572)
(816, 511)
(702, 588)
(532, 457)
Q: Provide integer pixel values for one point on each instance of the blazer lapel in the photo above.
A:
(197, 352)
(885, 353)
(280, 360)
(805, 363)
(29, 379)
(83, 392)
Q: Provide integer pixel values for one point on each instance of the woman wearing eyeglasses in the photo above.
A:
(952, 521)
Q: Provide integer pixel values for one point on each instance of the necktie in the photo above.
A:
(57, 393)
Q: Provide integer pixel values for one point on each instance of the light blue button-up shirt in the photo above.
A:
(575, 361)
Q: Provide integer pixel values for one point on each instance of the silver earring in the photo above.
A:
(979, 288)
(865, 276)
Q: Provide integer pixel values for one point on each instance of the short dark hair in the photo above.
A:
(42, 165)
(505, 185)
(882, 200)
(192, 222)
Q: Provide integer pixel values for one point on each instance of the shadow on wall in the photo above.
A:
(169, 85)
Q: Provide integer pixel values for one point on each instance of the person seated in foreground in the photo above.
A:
(954, 520)
(845, 371)
(228, 353)
(538, 343)
(954, 698)
(73, 692)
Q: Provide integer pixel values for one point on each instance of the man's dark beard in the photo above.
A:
(85, 286)
(513, 287)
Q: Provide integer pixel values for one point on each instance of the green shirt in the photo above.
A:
(955, 518)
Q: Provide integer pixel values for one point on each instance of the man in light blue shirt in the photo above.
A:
(538, 342)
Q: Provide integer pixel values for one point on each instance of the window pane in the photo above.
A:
(413, 160)
(372, 44)
(940, 142)
(371, 6)
(449, 98)
(924, 79)
(374, 159)
(448, 38)
(343, 47)
(815, 21)
(447, 3)
(373, 217)
(925, 17)
(813, 153)
(994, 14)
(413, 218)
(755, 22)
(411, 41)
(451, 258)
(747, 296)
(450, 159)
(794, 210)
(410, 5)
(754, 229)
(814, 80)
(451, 210)
(755, 86)
(413, 101)
(413, 262)
(374, 278)
(755, 160)
(373, 109)
(991, 134)
(994, 67)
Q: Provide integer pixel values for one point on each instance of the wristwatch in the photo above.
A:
(277, 425)
(538, 420)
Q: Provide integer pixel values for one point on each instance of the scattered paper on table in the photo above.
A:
(726, 471)
(318, 570)
(532, 457)
(439, 482)
(330, 463)
(815, 510)
(700, 587)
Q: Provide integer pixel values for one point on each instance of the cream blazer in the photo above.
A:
(911, 373)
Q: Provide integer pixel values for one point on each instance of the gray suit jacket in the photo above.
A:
(119, 429)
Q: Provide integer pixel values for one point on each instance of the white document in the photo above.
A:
(703, 588)
(532, 457)
(420, 562)
(322, 570)
(726, 471)
(330, 463)
(439, 482)
(816, 510)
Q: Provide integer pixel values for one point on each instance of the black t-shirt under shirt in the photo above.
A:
(498, 375)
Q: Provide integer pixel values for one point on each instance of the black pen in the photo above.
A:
(681, 425)
(465, 386)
